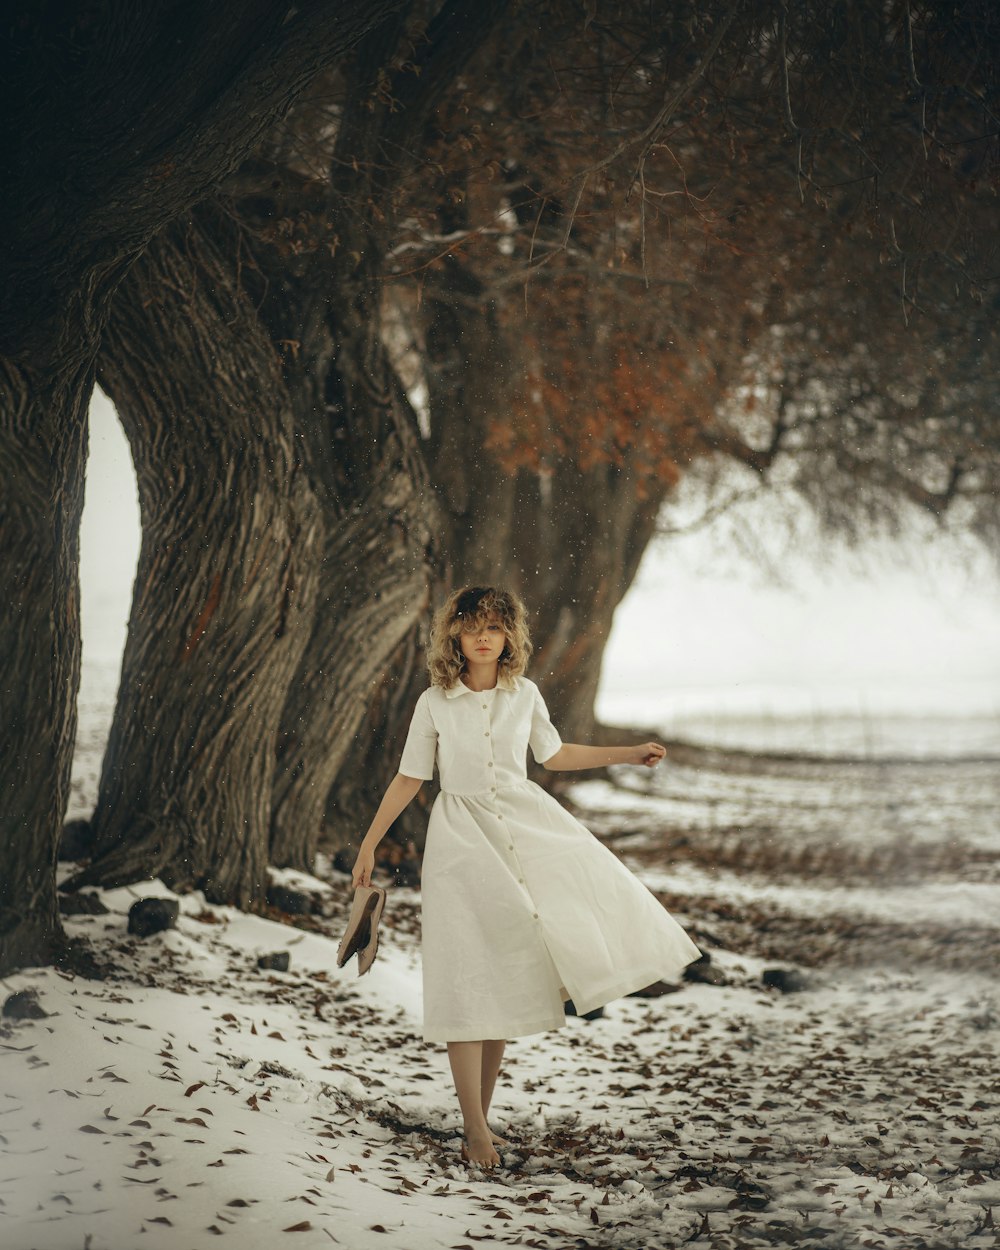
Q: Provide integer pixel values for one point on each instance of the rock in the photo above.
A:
(704, 972)
(656, 990)
(82, 905)
(278, 960)
(570, 1008)
(24, 1005)
(787, 980)
(76, 840)
(152, 915)
(291, 902)
(343, 860)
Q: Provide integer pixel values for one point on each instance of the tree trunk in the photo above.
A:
(375, 576)
(569, 541)
(43, 441)
(188, 104)
(374, 757)
(226, 580)
(93, 173)
(363, 445)
(579, 548)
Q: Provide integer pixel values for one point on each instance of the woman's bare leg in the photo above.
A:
(492, 1056)
(466, 1060)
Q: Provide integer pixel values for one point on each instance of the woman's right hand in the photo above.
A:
(361, 873)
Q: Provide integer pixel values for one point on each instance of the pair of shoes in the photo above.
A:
(361, 937)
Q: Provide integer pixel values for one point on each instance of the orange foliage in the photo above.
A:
(634, 409)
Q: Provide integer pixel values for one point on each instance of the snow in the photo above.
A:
(192, 1098)
(195, 1096)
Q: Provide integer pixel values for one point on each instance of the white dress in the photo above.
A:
(522, 905)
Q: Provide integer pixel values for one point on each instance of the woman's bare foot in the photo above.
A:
(497, 1140)
(478, 1148)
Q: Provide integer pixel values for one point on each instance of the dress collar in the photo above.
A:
(504, 682)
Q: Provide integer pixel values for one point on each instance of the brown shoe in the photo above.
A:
(361, 937)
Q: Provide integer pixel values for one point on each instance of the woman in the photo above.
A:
(522, 907)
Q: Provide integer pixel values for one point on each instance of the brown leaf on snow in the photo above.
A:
(303, 1226)
(193, 1089)
(89, 1128)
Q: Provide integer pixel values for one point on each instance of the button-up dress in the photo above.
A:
(522, 906)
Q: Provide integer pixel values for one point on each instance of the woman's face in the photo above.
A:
(483, 645)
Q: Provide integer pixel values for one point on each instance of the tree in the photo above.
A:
(189, 796)
(823, 177)
(226, 585)
(568, 294)
(90, 176)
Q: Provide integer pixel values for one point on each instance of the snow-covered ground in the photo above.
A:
(193, 1097)
(196, 1097)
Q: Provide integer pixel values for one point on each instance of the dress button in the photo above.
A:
(510, 846)
(490, 764)
(485, 706)
(486, 734)
(534, 915)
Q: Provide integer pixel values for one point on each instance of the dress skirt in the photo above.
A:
(522, 908)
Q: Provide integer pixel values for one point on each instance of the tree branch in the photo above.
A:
(89, 184)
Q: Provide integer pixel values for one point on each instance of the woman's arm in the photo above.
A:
(572, 755)
(398, 795)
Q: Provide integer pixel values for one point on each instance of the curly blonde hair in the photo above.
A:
(467, 610)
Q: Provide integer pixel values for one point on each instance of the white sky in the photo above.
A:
(703, 622)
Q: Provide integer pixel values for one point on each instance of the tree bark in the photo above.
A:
(376, 572)
(381, 563)
(226, 581)
(569, 541)
(195, 88)
(43, 442)
(90, 175)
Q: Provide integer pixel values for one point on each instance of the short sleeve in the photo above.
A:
(420, 748)
(544, 739)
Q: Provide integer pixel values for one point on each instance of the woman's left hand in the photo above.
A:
(649, 753)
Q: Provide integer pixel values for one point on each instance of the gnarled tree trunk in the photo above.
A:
(375, 578)
(569, 541)
(89, 176)
(381, 568)
(226, 581)
(43, 440)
